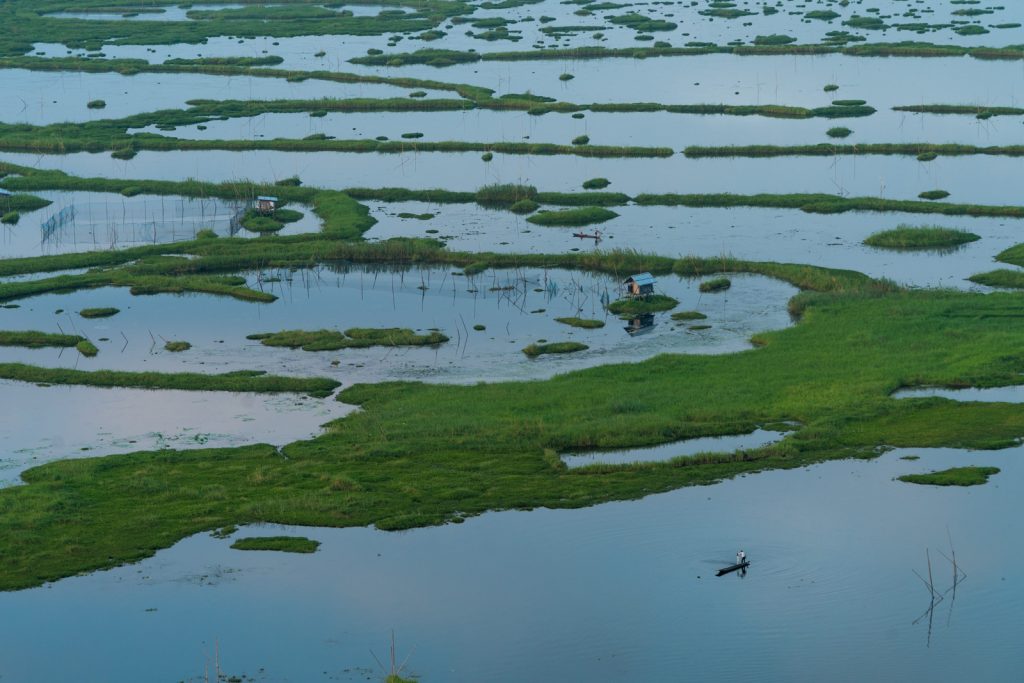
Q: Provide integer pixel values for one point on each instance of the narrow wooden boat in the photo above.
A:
(585, 235)
(730, 569)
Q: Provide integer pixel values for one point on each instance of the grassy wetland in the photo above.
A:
(409, 292)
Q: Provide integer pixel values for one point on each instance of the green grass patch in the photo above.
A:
(355, 338)
(96, 104)
(534, 350)
(689, 315)
(955, 476)
(177, 346)
(838, 132)
(933, 195)
(596, 184)
(10, 218)
(920, 237)
(638, 306)
(284, 544)
(585, 323)
(99, 312)
(587, 215)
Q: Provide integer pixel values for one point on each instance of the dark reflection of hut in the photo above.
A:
(640, 324)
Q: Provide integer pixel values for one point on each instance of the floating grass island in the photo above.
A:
(718, 284)
(955, 476)
(242, 380)
(534, 350)
(689, 315)
(284, 544)
(177, 346)
(638, 306)
(587, 215)
(99, 312)
(32, 339)
(585, 323)
(920, 237)
(354, 338)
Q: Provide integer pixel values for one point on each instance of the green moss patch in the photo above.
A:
(177, 346)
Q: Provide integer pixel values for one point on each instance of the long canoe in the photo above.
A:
(730, 569)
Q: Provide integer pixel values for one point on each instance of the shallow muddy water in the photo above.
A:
(622, 591)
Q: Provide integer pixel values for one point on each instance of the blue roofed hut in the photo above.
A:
(640, 285)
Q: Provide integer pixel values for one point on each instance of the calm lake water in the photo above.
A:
(623, 591)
